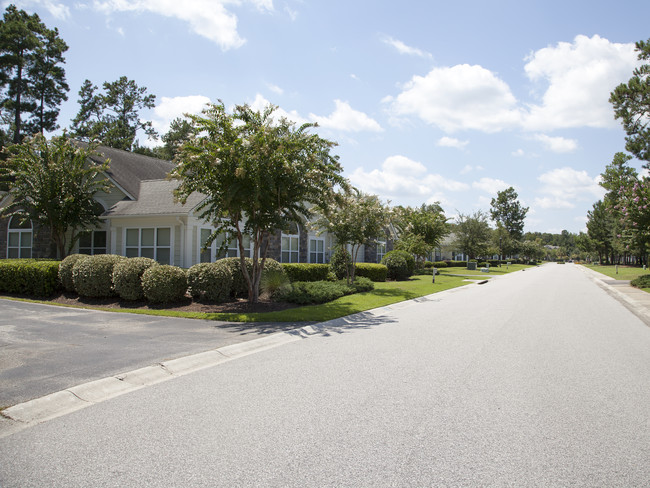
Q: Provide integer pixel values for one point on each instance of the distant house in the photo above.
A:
(140, 218)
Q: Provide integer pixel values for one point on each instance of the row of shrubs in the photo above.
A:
(30, 277)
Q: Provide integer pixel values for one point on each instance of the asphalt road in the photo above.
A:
(44, 349)
(538, 378)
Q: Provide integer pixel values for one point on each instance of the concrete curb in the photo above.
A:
(30, 413)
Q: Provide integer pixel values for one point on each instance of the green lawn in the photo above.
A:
(494, 271)
(624, 272)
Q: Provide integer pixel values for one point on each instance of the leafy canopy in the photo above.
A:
(257, 174)
(508, 213)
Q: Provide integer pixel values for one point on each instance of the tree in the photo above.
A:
(257, 174)
(600, 229)
(53, 183)
(472, 234)
(113, 117)
(508, 213)
(420, 229)
(356, 219)
(32, 80)
(631, 102)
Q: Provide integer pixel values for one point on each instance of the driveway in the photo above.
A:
(45, 348)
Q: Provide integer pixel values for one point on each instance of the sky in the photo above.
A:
(429, 101)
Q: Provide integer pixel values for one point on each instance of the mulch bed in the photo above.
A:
(187, 305)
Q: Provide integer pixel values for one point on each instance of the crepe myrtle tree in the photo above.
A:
(258, 174)
(355, 219)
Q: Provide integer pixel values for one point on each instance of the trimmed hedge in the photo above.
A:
(65, 270)
(400, 264)
(127, 277)
(164, 283)
(435, 264)
(210, 281)
(362, 284)
(642, 281)
(314, 292)
(36, 278)
(456, 264)
(306, 272)
(93, 276)
(239, 287)
(375, 272)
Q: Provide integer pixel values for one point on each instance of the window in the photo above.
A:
(381, 250)
(317, 251)
(154, 243)
(19, 239)
(93, 242)
(212, 253)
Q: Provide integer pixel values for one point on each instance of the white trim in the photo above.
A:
(20, 233)
(155, 246)
(118, 186)
(310, 252)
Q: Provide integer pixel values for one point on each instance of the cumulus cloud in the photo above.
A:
(207, 18)
(345, 118)
(452, 142)
(490, 185)
(58, 10)
(459, 97)
(170, 108)
(404, 49)
(518, 153)
(563, 186)
(580, 77)
(557, 144)
(400, 177)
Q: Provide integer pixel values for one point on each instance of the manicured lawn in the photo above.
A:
(494, 270)
(624, 272)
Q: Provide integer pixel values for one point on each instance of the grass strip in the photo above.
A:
(622, 273)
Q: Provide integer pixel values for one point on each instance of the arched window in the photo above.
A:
(291, 244)
(19, 238)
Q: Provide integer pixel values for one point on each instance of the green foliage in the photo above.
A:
(362, 284)
(372, 271)
(248, 163)
(313, 292)
(65, 271)
(341, 263)
(210, 281)
(127, 277)
(631, 102)
(93, 276)
(29, 277)
(239, 286)
(31, 76)
(274, 283)
(113, 117)
(472, 234)
(164, 284)
(438, 264)
(53, 184)
(400, 264)
(508, 213)
(420, 229)
(305, 271)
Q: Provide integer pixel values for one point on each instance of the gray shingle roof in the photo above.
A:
(156, 197)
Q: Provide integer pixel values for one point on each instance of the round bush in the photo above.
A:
(210, 281)
(164, 283)
(341, 262)
(127, 277)
(642, 281)
(93, 276)
(239, 285)
(376, 272)
(65, 270)
(400, 264)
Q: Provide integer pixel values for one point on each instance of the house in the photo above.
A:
(141, 218)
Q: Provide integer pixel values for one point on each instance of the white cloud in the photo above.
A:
(468, 168)
(207, 18)
(275, 89)
(557, 144)
(452, 142)
(518, 153)
(260, 103)
(404, 49)
(490, 185)
(58, 10)
(460, 97)
(563, 186)
(580, 77)
(170, 108)
(345, 118)
(400, 177)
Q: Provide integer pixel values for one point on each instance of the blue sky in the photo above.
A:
(429, 101)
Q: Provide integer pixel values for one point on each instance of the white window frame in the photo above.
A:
(317, 252)
(156, 246)
(291, 252)
(20, 232)
(381, 250)
(214, 248)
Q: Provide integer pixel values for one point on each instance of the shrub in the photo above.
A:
(210, 281)
(239, 286)
(440, 264)
(127, 277)
(274, 283)
(65, 270)
(36, 278)
(341, 262)
(642, 281)
(306, 272)
(375, 272)
(483, 264)
(362, 284)
(164, 283)
(400, 265)
(456, 264)
(314, 292)
(93, 276)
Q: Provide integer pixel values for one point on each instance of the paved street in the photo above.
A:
(538, 378)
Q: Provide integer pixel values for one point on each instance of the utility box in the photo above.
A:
(471, 265)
